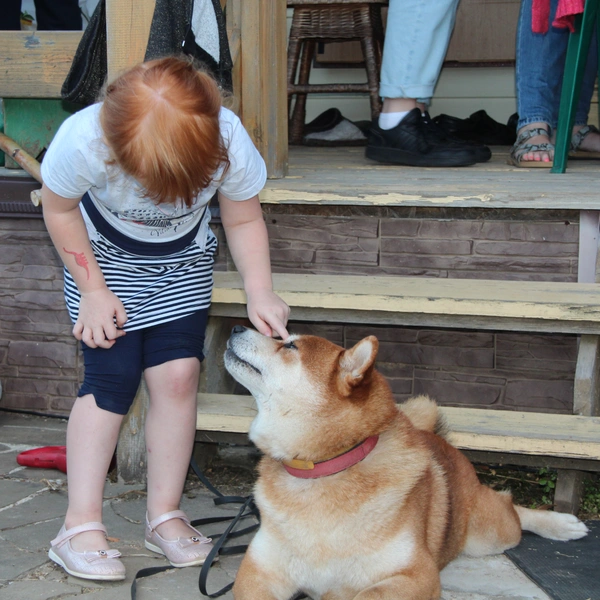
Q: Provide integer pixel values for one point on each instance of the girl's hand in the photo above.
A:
(95, 324)
(268, 313)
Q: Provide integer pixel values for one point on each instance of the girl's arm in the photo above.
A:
(249, 246)
(99, 306)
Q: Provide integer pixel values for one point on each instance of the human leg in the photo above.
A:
(172, 355)
(110, 383)
(586, 139)
(411, 65)
(412, 61)
(92, 435)
(170, 432)
(61, 15)
(10, 15)
(540, 60)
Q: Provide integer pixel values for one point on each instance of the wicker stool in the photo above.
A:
(331, 21)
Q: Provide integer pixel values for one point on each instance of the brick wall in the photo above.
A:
(40, 365)
(39, 360)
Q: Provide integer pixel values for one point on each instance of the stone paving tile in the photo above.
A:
(494, 576)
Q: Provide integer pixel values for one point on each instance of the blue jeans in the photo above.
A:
(539, 71)
(416, 41)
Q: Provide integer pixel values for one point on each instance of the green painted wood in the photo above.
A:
(32, 123)
(576, 59)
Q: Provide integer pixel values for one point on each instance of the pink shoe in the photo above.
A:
(182, 552)
(102, 565)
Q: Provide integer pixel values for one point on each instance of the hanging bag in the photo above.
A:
(89, 67)
(171, 33)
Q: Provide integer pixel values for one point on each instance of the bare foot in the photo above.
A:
(591, 142)
(538, 155)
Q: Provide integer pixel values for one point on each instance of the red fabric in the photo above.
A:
(540, 13)
(337, 464)
(566, 11)
(564, 17)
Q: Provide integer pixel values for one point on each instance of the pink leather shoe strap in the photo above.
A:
(64, 536)
(174, 514)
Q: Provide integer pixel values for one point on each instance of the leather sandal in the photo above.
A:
(576, 151)
(521, 148)
(182, 552)
(101, 565)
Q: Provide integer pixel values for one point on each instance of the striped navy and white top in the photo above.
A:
(157, 259)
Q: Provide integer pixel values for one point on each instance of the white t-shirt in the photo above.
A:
(76, 163)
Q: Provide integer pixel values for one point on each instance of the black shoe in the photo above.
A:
(437, 133)
(479, 128)
(410, 144)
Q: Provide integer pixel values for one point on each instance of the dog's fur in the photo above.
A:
(383, 528)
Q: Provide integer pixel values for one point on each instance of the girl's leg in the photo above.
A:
(111, 380)
(170, 433)
(92, 435)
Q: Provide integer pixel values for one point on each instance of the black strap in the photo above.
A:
(242, 514)
(247, 510)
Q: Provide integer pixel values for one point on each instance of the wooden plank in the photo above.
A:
(586, 393)
(35, 64)
(577, 305)
(264, 80)
(588, 246)
(568, 491)
(225, 412)
(127, 30)
(541, 434)
(131, 448)
(538, 434)
(213, 375)
(343, 176)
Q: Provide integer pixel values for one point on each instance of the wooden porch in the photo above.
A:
(343, 176)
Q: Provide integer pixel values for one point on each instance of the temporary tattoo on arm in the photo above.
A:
(80, 259)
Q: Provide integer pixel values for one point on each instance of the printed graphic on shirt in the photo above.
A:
(155, 218)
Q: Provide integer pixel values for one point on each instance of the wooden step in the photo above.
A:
(551, 307)
(536, 434)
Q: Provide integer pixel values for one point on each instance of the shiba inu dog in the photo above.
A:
(359, 497)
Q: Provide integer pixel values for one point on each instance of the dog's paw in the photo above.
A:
(563, 527)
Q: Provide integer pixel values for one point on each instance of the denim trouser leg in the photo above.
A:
(539, 71)
(416, 40)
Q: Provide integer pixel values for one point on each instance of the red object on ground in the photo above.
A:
(48, 457)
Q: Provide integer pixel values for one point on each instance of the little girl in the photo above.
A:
(127, 184)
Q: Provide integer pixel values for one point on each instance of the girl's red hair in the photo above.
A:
(161, 122)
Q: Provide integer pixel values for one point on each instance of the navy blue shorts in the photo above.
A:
(113, 376)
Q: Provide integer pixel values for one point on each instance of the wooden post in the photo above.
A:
(127, 29)
(264, 80)
(131, 448)
(569, 484)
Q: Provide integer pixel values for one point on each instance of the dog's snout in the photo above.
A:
(238, 329)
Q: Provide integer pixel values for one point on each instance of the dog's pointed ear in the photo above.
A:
(356, 362)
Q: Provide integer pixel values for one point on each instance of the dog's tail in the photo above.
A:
(423, 413)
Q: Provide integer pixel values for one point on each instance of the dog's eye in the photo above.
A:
(291, 345)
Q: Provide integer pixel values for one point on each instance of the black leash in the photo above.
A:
(248, 509)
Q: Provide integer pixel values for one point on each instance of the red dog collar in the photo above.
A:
(305, 469)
